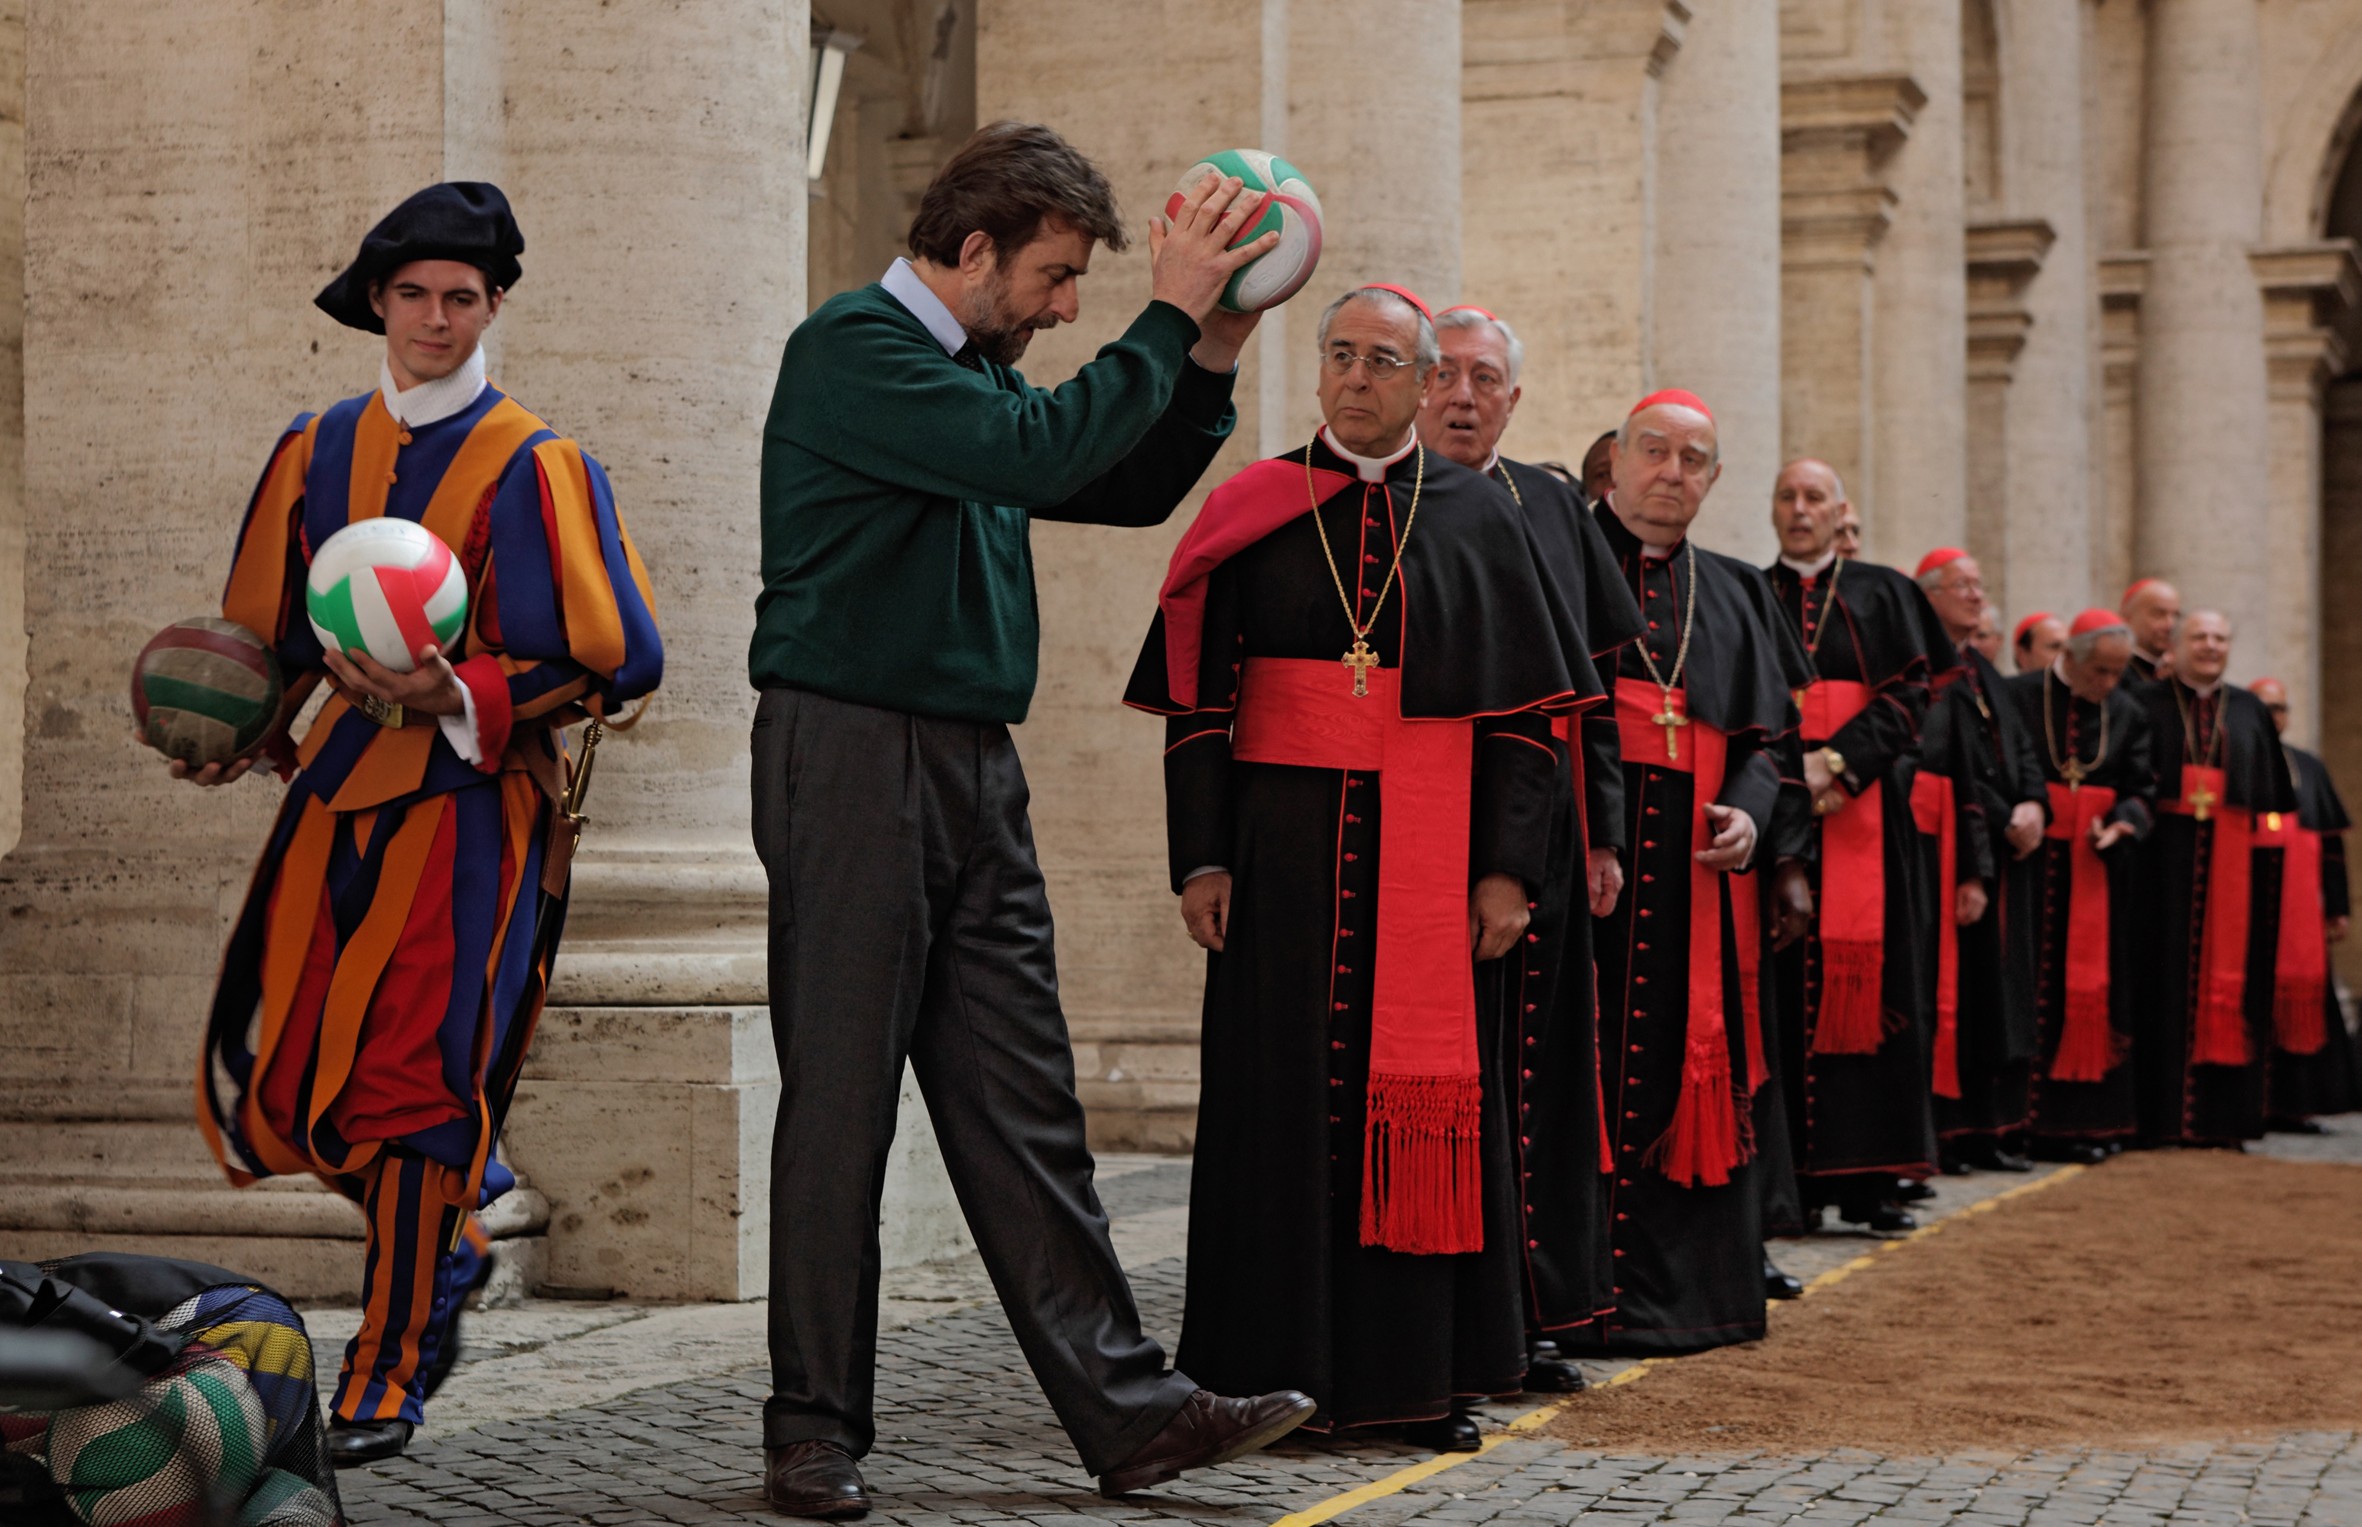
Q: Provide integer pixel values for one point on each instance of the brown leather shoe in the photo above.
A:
(1208, 1429)
(814, 1479)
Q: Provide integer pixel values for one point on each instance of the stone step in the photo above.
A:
(283, 1208)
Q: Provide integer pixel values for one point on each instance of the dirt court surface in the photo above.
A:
(2166, 1296)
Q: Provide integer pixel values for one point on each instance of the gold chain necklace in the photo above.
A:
(1666, 716)
(2073, 770)
(1359, 657)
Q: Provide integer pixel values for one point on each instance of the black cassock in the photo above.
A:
(1687, 1259)
(1552, 1011)
(2111, 748)
(2324, 1082)
(1979, 740)
(1281, 1293)
(2184, 1098)
(1866, 1116)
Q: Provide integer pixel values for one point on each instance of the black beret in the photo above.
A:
(464, 220)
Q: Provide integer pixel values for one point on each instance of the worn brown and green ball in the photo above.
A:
(205, 691)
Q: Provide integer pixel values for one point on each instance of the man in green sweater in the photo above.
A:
(895, 641)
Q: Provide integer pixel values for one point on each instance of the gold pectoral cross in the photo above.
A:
(1671, 720)
(1361, 660)
(2202, 803)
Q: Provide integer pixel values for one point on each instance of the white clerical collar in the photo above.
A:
(902, 283)
(2202, 691)
(431, 402)
(1371, 468)
(1492, 461)
(1809, 570)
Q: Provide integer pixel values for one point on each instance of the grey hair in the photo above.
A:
(2081, 647)
(1426, 354)
(1469, 318)
(1623, 435)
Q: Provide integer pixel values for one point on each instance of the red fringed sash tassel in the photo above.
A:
(2088, 1048)
(1933, 809)
(2300, 992)
(1709, 1136)
(1422, 1189)
(2221, 999)
(1852, 1020)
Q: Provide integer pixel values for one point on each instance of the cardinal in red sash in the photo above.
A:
(1857, 1073)
(1359, 659)
(1980, 800)
(1699, 701)
(2074, 896)
(1552, 1017)
(2210, 898)
(2313, 1070)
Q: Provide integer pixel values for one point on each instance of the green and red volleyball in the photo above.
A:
(204, 691)
(1292, 211)
(387, 587)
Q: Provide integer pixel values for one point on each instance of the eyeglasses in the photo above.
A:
(1484, 383)
(1340, 360)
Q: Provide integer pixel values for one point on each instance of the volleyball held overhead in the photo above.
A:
(1293, 210)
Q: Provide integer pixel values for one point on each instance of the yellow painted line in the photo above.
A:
(1542, 1415)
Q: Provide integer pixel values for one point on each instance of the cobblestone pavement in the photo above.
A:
(966, 1439)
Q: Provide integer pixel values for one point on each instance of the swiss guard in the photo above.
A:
(384, 976)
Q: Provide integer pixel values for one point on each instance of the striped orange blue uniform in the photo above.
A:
(383, 979)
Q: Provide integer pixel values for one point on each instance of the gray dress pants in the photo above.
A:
(909, 920)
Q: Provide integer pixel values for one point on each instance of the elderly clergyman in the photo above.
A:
(1548, 988)
(2312, 1054)
(2151, 608)
(1357, 653)
(2210, 900)
(2075, 893)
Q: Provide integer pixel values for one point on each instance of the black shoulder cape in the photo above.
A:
(1483, 633)
(2255, 771)
(1747, 686)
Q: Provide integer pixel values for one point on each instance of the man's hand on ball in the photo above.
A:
(1497, 914)
(1205, 908)
(1190, 259)
(431, 688)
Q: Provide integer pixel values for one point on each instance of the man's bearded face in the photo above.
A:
(1033, 289)
(2202, 648)
(1469, 396)
(2095, 677)
(1806, 504)
(1664, 465)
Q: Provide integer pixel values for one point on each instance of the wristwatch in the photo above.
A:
(1834, 762)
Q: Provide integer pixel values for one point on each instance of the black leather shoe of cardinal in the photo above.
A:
(814, 1479)
(358, 1442)
(1780, 1285)
(1455, 1433)
(1554, 1375)
(1208, 1429)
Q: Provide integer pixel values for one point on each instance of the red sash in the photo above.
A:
(1746, 913)
(2088, 1048)
(2301, 991)
(1853, 891)
(2221, 1023)
(1707, 1138)
(1932, 808)
(1422, 1189)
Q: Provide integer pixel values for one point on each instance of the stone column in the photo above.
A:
(2003, 258)
(1559, 195)
(1716, 276)
(2340, 725)
(2308, 291)
(12, 424)
(1838, 135)
(2045, 559)
(1915, 493)
(2116, 476)
(2202, 378)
